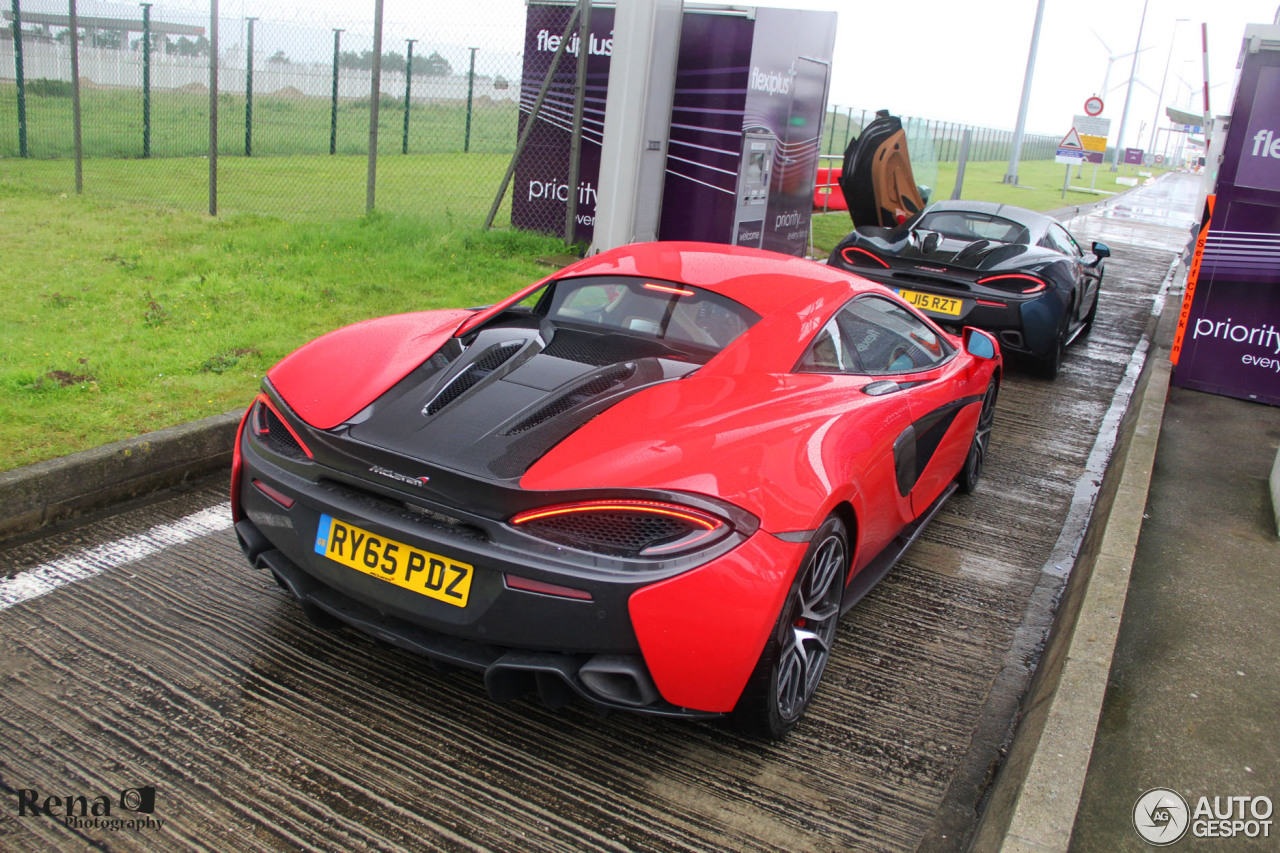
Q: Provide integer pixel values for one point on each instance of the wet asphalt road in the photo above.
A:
(177, 666)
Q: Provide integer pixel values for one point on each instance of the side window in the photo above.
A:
(873, 336)
(1060, 240)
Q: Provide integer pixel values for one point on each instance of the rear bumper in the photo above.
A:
(1026, 326)
(609, 681)
(674, 642)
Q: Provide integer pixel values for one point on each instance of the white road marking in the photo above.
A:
(43, 579)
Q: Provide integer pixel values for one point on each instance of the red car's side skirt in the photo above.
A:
(872, 573)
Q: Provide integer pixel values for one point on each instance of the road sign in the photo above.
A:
(1091, 125)
(1071, 141)
(1070, 156)
(1093, 106)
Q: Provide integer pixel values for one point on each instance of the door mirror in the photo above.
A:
(1101, 250)
(979, 344)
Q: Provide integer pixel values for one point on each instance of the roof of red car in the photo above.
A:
(762, 281)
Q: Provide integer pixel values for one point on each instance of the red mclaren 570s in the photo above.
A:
(653, 480)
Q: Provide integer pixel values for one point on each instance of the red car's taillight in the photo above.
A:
(624, 528)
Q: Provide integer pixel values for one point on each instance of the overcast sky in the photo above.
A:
(954, 60)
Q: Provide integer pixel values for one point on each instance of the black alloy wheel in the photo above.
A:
(796, 654)
(977, 458)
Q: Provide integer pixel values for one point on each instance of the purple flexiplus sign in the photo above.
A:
(1229, 335)
(750, 93)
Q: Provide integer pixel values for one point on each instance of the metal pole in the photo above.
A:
(333, 111)
(22, 94)
(75, 95)
(831, 140)
(146, 79)
(375, 97)
(248, 96)
(471, 82)
(575, 146)
(1133, 72)
(848, 128)
(213, 107)
(408, 78)
(1011, 176)
(961, 160)
(1205, 54)
(531, 121)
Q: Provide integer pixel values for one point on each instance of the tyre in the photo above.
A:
(1093, 312)
(973, 463)
(796, 654)
(1048, 366)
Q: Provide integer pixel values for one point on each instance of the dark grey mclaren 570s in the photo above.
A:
(1013, 272)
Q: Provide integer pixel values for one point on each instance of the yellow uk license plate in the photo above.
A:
(932, 303)
(428, 574)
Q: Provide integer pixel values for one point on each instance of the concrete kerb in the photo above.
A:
(1033, 803)
(47, 492)
(1046, 806)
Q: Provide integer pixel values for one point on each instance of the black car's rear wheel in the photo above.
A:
(1049, 365)
(973, 463)
(796, 654)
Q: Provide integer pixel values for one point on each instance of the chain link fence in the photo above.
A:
(294, 103)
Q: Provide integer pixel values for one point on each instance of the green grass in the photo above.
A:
(112, 125)
(121, 318)
(450, 189)
(129, 309)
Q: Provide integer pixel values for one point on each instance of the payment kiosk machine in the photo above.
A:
(744, 134)
(753, 188)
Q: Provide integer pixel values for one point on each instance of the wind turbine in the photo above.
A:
(1112, 58)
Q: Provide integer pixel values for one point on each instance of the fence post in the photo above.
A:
(248, 96)
(22, 95)
(471, 82)
(213, 107)
(408, 78)
(831, 140)
(961, 160)
(375, 101)
(75, 95)
(146, 79)
(333, 111)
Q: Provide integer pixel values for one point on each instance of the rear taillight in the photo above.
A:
(1014, 282)
(862, 258)
(625, 528)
